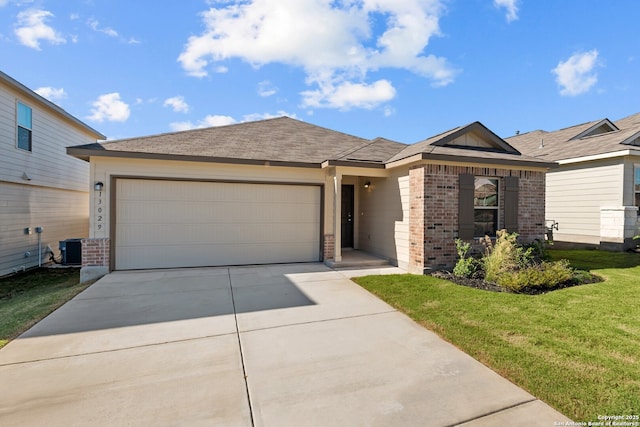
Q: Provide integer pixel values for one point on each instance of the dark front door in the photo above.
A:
(347, 215)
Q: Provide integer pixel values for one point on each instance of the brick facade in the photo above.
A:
(329, 246)
(95, 252)
(434, 210)
(416, 220)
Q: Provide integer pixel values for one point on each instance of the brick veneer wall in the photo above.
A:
(434, 210)
(95, 252)
(329, 245)
(416, 220)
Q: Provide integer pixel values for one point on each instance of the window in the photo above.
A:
(24, 127)
(485, 205)
(636, 187)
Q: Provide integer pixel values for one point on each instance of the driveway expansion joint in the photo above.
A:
(244, 368)
(497, 411)
(318, 321)
(113, 350)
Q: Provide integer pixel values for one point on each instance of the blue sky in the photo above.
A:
(401, 69)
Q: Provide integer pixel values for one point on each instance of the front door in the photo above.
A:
(347, 215)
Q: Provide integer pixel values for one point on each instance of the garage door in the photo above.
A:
(163, 224)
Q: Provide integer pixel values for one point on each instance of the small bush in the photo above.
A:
(466, 265)
(511, 266)
(542, 276)
(505, 256)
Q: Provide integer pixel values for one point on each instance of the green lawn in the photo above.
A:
(577, 349)
(28, 297)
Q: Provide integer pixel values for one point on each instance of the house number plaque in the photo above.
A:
(99, 214)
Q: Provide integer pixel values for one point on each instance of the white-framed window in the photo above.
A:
(24, 132)
(486, 203)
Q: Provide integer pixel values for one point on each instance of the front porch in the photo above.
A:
(353, 258)
(366, 222)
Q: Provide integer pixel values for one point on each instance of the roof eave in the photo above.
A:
(352, 163)
(538, 164)
(604, 156)
(86, 154)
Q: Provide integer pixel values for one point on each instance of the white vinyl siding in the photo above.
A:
(63, 215)
(43, 187)
(164, 224)
(575, 194)
(47, 164)
(384, 218)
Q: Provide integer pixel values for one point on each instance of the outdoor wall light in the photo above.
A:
(98, 186)
(367, 184)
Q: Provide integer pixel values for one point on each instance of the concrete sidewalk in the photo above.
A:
(282, 345)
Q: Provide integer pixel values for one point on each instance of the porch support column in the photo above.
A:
(337, 215)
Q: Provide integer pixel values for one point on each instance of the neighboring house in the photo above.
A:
(594, 194)
(44, 193)
(281, 190)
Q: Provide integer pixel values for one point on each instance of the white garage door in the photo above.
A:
(163, 224)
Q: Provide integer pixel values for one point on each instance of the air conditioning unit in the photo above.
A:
(71, 251)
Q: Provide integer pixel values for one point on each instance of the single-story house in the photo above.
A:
(282, 190)
(44, 193)
(594, 194)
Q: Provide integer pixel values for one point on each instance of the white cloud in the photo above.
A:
(263, 116)
(266, 89)
(208, 121)
(511, 7)
(109, 107)
(332, 41)
(95, 26)
(576, 75)
(51, 93)
(32, 28)
(177, 103)
(347, 95)
(219, 120)
(180, 126)
(389, 111)
(3, 3)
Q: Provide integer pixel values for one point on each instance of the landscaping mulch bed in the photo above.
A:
(492, 287)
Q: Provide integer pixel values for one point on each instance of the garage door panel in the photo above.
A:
(182, 223)
(185, 234)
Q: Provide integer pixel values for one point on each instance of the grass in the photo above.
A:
(576, 348)
(27, 298)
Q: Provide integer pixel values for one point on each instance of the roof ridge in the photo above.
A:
(198, 129)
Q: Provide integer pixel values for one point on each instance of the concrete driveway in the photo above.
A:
(283, 345)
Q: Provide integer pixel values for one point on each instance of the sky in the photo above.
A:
(404, 70)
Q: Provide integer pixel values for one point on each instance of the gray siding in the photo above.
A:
(63, 214)
(48, 163)
(575, 194)
(56, 197)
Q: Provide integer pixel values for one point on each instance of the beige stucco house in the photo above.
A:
(282, 190)
(44, 193)
(594, 194)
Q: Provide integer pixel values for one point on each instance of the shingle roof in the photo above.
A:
(563, 144)
(281, 139)
(288, 141)
(438, 146)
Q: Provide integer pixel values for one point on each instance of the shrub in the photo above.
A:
(505, 256)
(466, 265)
(545, 275)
